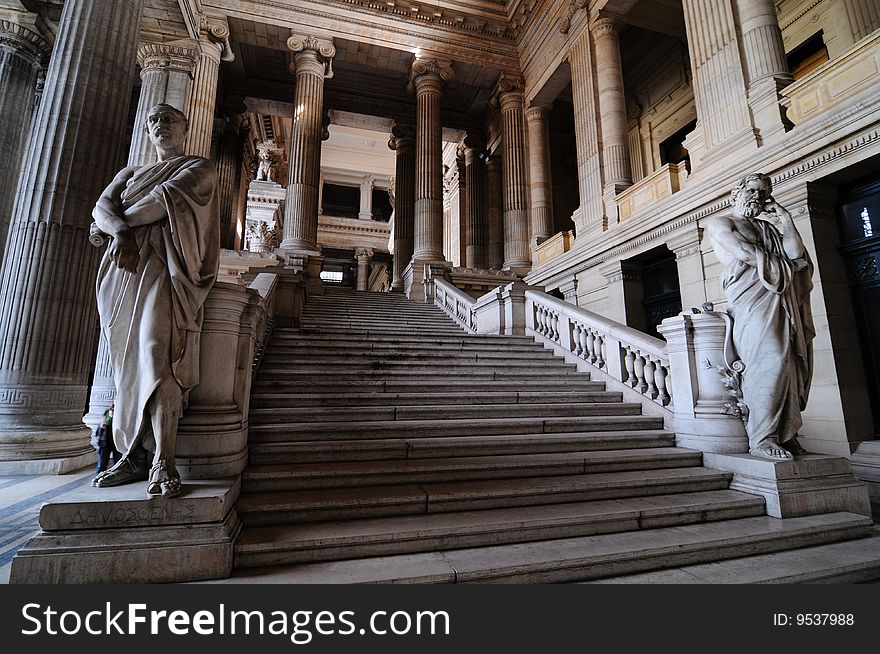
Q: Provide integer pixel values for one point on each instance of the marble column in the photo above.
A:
(766, 65)
(363, 256)
(427, 79)
(724, 123)
(517, 254)
(495, 214)
(864, 17)
(539, 174)
(612, 107)
(22, 51)
(310, 59)
(459, 229)
(590, 216)
(403, 142)
(229, 170)
(47, 303)
(366, 208)
(214, 47)
(166, 76)
(476, 229)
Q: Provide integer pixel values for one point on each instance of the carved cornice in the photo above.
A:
(178, 56)
(21, 38)
(573, 7)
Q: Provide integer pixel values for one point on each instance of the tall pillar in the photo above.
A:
(539, 174)
(310, 59)
(724, 124)
(590, 216)
(476, 229)
(766, 65)
(495, 215)
(214, 46)
(366, 209)
(427, 78)
(21, 53)
(612, 113)
(403, 142)
(363, 256)
(463, 223)
(517, 255)
(47, 305)
(229, 170)
(166, 76)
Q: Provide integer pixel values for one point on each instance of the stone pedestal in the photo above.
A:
(117, 535)
(48, 327)
(310, 59)
(809, 485)
(403, 142)
(705, 418)
(866, 466)
(166, 77)
(22, 51)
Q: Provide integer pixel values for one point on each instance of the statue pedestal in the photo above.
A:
(117, 535)
(809, 485)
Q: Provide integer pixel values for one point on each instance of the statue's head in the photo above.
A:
(751, 194)
(167, 126)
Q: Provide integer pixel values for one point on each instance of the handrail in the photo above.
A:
(631, 357)
(458, 304)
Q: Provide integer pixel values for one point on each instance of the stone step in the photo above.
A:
(322, 541)
(415, 471)
(294, 431)
(281, 452)
(580, 558)
(282, 507)
(570, 383)
(404, 337)
(456, 367)
(355, 413)
(381, 348)
(358, 332)
(850, 562)
(262, 399)
(438, 377)
(398, 323)
(368, 310)
(306, 355)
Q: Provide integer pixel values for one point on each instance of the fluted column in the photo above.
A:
(166, 76)
(47, 305)
(612, 105)
(229, 170)
(214, 46)
(21, 53)
(363, 256)
(539, 174)
(516, 213)
(864, 17)
(476, 228)
(301, 206)
(766, 65)
(403, 142)
(495, 226)
(427, 79)
(723, 115)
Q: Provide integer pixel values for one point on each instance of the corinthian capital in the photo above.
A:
(324, 48)
(179, 56)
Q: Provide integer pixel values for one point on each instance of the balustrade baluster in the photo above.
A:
(576, 338)
(601, 357)
(591, 346)
(629, 362)
(650, 374)
(554, 324)
(660, 376)
(641, 385)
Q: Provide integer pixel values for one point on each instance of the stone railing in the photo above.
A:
(636, 360)
(457, 304)
(648, 191)
(553, 247)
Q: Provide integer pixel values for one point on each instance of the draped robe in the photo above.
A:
(152, 318)
(772, 331)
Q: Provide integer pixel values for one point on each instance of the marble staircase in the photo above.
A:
(387, 445)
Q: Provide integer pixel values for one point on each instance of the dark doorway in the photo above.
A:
(662, 297)
(859, 214)
(341, 201)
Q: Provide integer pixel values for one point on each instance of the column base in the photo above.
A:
(48, 451)
(866, 467)
(56, 466)
(810, 485)
(308, 263)
(117, 535)
(414, 279)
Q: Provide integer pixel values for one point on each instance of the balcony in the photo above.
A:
(648, 191)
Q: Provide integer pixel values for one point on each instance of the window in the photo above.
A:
(381, 205)
(341, 201)
(672, 150)
(808, 56)
(331, 276)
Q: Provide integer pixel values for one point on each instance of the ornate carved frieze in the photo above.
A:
(177, 56)
(573, 7)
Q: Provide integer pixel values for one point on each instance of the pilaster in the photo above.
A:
(689, 261)
(366, 208)
(495, 215)
(403, 142)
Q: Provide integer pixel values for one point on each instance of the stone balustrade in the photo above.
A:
(648, 191)
(837, 86)
(553, 247)
(628, 356)
(457, 304)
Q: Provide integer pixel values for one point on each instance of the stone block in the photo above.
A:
(810, 485)
(117, 535)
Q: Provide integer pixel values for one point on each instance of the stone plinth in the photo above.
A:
(809, 485)
(116, 535)
(866, 466)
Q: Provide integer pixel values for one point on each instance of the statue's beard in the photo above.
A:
(748, 209)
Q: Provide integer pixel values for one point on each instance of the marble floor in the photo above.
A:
(20, 501)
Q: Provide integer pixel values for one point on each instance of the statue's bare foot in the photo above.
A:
(770, 449)
(164, 480)
(129, 469)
